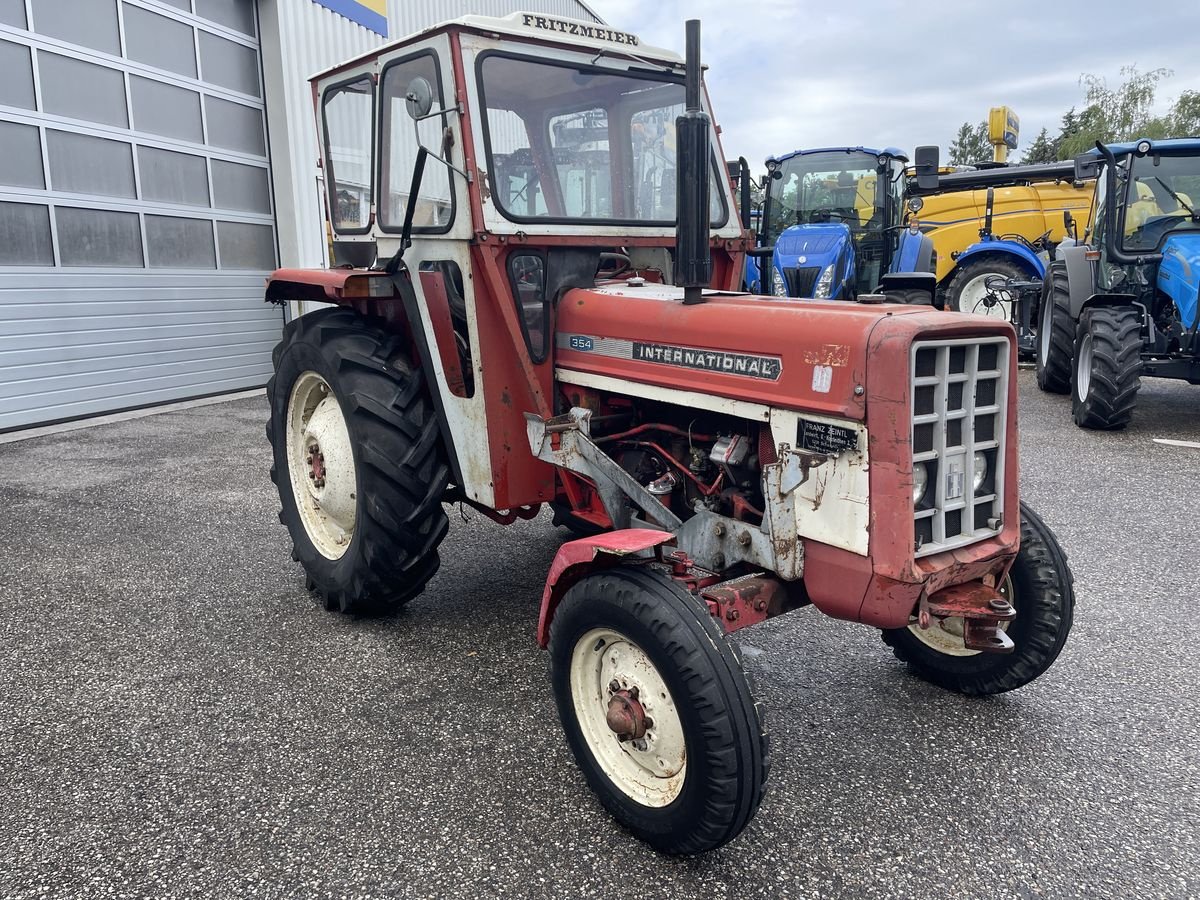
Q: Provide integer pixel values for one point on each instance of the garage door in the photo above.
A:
(135, 207)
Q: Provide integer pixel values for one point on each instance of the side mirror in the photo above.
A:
(925, 163)
(1087, 167)
(418, 97)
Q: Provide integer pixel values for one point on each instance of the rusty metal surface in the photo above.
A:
(745, 601)
(973, 600)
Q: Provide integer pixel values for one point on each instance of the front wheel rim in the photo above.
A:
(973, 299)
(1083, 368)
(946, 635)
(321, 465)
(607, 670)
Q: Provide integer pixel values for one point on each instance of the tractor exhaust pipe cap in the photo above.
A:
(693, 264)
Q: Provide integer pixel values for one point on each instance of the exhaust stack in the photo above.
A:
(693, 265)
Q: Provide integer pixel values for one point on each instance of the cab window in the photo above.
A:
(400, 137)
(347, 111)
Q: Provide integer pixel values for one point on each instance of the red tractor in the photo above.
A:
(535, 303)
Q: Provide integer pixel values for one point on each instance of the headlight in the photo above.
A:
(981, 470)
(778, 285)
(824, 283)
(920, 482)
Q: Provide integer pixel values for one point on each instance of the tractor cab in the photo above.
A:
(502, 162)
(834, 217)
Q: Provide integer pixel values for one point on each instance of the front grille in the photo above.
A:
(959, 408)
(800, 281)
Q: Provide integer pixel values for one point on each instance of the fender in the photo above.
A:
(914, 253)
(1018, 253)
(753, 280)
(578, 558)
(1081, 277)
(376, 293)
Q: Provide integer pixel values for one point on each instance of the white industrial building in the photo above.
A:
(158, 158)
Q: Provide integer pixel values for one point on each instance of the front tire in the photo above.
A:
(1108, 367)
(1039, 586)
(632, 637)
(1056, 333)
(967, 291)
(357, 460)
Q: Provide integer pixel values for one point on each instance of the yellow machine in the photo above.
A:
(998, 220)
(1029, 211)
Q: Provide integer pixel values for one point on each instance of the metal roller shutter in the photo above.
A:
(136, 221)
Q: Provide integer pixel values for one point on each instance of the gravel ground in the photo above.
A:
(178, 718)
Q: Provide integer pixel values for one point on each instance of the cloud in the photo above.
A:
(784, 74)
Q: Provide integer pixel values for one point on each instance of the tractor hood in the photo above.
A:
(818, 242)
(1179, 275)
(798, 354)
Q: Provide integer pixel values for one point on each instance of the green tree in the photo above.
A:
(1184, 118)
(1118, 114)
(1042, 150)
(970, 147)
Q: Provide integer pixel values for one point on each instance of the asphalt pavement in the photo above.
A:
(179, 719)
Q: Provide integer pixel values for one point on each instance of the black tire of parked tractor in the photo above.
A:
(1055, 333)
(910, 297)
(1107, 398)
(972, 269)
(1043, 595)
(727, 748)
(399, 461)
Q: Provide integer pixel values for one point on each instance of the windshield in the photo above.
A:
(837, 186)
(572, 142)
(1162, 195)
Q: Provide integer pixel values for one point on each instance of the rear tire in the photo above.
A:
(1108, 367)
(910, 297)
(696, 778)
(366, 518)
(1056, 333)
(1041, 589)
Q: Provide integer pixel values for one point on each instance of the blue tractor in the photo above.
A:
(1126, 301)
(831, 228)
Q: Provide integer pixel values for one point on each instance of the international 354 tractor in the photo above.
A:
(1124, 303)
(544, 312)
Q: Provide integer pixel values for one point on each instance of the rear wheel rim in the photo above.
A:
(1083, 368)
(321, 465)
(1044, 337)
(650, 770)
(973, 299)
(945, 636)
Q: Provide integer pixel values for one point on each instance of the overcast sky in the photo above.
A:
(787, 74)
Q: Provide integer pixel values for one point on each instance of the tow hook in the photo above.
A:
(982, 610)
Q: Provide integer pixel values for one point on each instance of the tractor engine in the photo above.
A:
(683, 458)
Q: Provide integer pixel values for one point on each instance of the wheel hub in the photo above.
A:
(316, 465)
(625, 717)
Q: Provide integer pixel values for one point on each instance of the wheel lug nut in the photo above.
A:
(614, 686)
